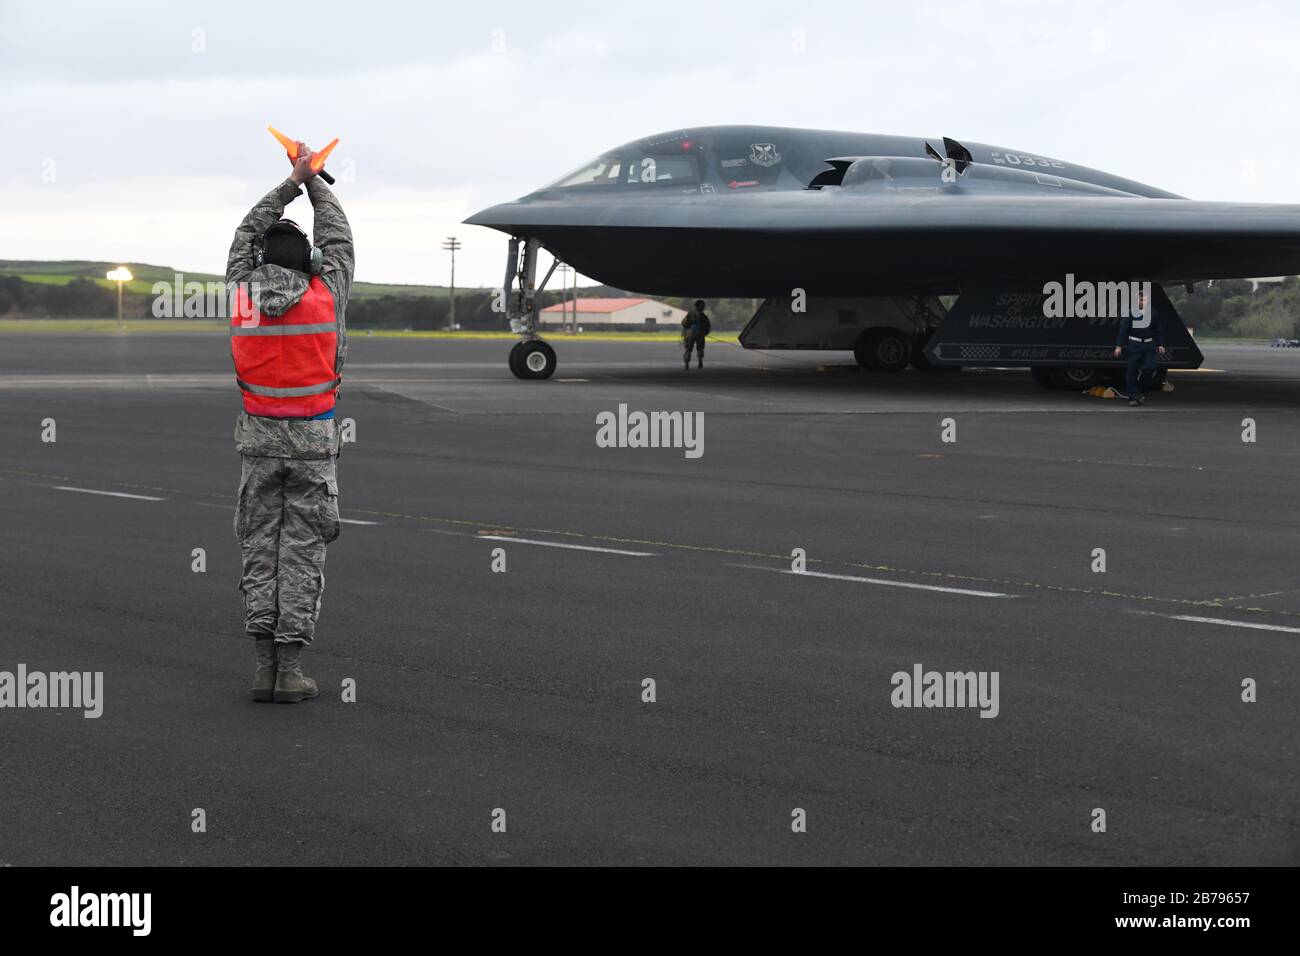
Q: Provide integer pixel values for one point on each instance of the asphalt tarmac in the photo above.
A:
(480, 691)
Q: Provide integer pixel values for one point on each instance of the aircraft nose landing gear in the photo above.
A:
(531, 358)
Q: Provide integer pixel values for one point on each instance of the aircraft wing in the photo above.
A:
(834, 241)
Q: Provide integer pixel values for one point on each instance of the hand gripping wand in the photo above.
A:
(317, 160)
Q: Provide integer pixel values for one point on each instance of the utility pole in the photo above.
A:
(452, 245)
(573, 326)
(563, 269)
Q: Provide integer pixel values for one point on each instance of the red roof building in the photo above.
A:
(628, 314)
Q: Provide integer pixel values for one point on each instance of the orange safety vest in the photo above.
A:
(285, 364)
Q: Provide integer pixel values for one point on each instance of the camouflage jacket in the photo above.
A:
(275, 289)
(696, 324)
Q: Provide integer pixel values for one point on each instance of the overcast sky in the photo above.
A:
(137, 131)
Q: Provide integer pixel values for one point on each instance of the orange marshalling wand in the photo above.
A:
(317, 160)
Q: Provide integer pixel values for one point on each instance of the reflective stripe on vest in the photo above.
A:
(291, 392)
(311, 329)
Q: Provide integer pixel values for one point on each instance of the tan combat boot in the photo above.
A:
(290, 685)
(264, 678)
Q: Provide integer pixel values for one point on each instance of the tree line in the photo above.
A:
(1227, 307)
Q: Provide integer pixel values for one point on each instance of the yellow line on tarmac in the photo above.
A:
(1247, 597)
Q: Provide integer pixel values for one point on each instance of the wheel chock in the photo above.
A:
(1104, 391)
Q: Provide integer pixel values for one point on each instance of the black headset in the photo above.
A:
(312, 261)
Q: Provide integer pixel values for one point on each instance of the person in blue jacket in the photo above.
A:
(1140, 340)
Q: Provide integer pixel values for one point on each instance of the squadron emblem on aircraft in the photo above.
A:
(764, 154)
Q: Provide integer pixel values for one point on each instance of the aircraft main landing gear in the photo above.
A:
(887, 349)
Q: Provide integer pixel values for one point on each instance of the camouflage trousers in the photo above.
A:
(287, 512)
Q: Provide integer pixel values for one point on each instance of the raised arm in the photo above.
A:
(260, 218)
(333, 236)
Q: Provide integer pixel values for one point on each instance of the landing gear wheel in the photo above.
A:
(885, 349)
(1043, 376)
(1077, 378)
(532, 360)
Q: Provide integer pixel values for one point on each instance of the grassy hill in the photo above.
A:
(63, 272)
(40, 290)
(1233, 308)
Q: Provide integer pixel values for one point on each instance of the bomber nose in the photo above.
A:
(495, 216)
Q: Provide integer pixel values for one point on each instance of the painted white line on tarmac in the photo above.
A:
(356, 521)
(571, 547)
(110, 494)
(1225, 622)
(881, 581)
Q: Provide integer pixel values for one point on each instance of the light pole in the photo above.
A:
(452, 245)
(121, 275)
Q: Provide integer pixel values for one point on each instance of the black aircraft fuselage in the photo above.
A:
(753, 211)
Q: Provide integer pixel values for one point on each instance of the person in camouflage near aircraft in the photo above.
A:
(288, 341)
(695, 329)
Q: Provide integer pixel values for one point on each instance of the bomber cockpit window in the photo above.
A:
(648, 170)
(603, 172)
(632, 171)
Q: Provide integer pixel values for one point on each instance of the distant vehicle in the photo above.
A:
(873, 229)
(1286, 343)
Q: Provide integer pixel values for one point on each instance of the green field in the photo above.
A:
(110, 327)
(61, 273)
(557, 337)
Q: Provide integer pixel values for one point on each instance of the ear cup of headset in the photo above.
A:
(315, 261)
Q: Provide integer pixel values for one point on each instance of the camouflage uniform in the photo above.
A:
(695, 327)
(287, 505)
